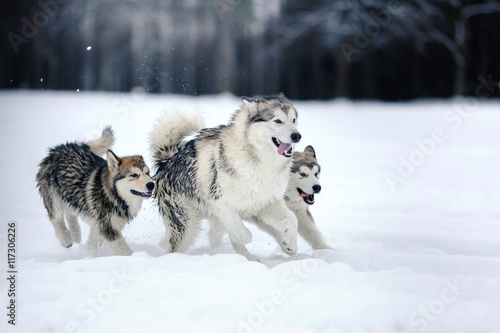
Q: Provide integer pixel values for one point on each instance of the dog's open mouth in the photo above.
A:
(285, 149)
(142, 194)
(308, 198)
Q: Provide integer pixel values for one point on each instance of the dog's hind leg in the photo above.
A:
(166, 242)
(56, 214)
(62, 233)
(74, 227)
(181, 227)
(180, 238)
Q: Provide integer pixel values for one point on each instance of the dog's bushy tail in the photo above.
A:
(101, 145)
(170, 129)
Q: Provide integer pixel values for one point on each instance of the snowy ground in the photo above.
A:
(410, 202)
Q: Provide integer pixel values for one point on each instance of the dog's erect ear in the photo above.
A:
(113, 160)
(310, 151)
(251, 104)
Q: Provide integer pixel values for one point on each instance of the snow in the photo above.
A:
(409, 201)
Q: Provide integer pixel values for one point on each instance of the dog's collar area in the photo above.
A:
(308, 198)
(141, 194)
(285, 149)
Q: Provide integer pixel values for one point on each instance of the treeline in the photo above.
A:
(315, 49)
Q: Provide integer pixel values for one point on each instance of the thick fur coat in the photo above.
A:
(227, 174)
(302, 186)
(74, 181)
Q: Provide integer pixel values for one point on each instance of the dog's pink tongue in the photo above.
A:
(304, 195)
(284, 147)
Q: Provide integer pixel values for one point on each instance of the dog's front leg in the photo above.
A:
(114, 238)
(242, 250)
(216, 233)
(237, 236)
(95, 238)
(238, 233)
(309, 230)
(284, 221)
(119, 246)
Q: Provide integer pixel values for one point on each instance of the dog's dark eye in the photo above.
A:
(302, 174)
(316, 175)
(134, 175)
(277, 121)
(294, 120)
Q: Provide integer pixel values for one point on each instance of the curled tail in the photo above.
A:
(101, 145)
(170, 130)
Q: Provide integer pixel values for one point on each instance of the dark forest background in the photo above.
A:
(314, 49)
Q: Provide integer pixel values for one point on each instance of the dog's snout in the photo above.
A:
(150, 186)
(316, 188)
(296, 137)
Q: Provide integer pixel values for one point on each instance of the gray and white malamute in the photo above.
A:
(74, 181)
(227, 174)
(302, 186)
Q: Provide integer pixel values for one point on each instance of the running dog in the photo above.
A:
(302, 186)
(227, 174)
(74, 181)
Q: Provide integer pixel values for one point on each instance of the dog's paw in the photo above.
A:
(289, 243)
(120, 248)
(65, 239)
(252, 258)
(290, 248)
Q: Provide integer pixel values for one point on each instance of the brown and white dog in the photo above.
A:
(74, 181)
